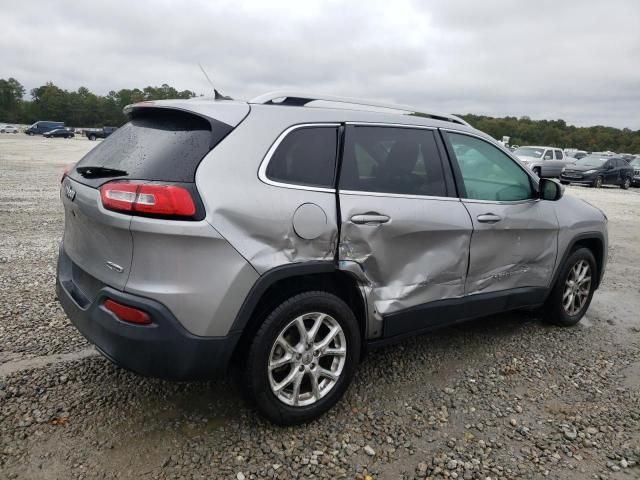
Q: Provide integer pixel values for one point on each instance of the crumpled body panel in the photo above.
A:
(418, 256)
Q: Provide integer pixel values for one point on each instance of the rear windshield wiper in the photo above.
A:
(100, 172)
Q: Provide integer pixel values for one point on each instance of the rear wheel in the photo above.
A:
(626, 183)
(92, 137)
(597, 183)
(571, 295)
(302, 358)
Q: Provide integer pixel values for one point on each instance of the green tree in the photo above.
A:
(11, 93)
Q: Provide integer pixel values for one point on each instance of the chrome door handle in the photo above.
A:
(369, 218)
(489, 218)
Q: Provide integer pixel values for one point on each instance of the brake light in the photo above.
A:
(67, 169)
(147, 199)
(127, 313)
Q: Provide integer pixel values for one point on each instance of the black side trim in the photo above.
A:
(269, 278)
(581, 236)
(441, 313)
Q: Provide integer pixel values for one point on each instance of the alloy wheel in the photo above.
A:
(577, 288)
(306, 359)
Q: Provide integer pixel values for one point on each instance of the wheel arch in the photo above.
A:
(280, 283)
(595, 242)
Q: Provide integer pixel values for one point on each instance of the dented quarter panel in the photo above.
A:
(418, 256)
(518, 251)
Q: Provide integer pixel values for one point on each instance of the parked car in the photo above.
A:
(543, 161)
(597, 171)
(306, 237)
(635, 164)
(574, 153)
(42, 127)
(94, 133)
(8, 129)
(59, 133)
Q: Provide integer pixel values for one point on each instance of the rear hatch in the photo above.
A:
(159, 146)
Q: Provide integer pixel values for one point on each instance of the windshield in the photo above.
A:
(529, 152)
(591, 161)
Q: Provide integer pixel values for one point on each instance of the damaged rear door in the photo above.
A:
(403, 229)
(515, 234)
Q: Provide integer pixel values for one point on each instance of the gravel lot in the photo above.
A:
(501, 397)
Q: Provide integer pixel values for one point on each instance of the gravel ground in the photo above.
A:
(501, 397)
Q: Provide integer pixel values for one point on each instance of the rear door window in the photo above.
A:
(162, 145)
(306, 156)
(403, 161)
(559, 155)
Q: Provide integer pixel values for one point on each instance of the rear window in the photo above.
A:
(161, 145)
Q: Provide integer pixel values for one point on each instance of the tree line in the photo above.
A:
(82, 108)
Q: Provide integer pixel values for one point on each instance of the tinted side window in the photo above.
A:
(306, 156)
(559, 155)
(548, 155)
(487, 173)
(392, 160)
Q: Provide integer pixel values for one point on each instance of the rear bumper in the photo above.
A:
(163, 349)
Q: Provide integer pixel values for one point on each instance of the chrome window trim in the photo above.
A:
(397, 195)
(262, 170)
(531, 175)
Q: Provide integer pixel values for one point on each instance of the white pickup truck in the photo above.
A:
(543, 161)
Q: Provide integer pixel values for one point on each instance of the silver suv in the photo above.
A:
(289, 234)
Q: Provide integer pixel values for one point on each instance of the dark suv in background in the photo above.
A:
(597, 171)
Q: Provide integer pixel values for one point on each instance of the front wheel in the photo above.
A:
(92, 137)
(597, 183)
(626, 184)
(302, 358)
(571, 295)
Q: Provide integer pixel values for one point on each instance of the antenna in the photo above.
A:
(217, 95)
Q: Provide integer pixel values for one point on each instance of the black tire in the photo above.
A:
(626, 183)
(554, 310)
(564, 182)
(597, 183)
(92, 137)
(256, 374)
(30, 134)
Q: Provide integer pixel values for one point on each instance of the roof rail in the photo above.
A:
(300, 99)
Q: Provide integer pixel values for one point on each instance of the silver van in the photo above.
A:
(288, 235)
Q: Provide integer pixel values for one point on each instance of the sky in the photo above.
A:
(575, 60)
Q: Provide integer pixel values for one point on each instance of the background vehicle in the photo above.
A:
(104, 132)
(188, 247)
(543, 161)
(43, 126)
(635, 164)
(8, 129)
(59, 133)
(574, 153)
(597, 171)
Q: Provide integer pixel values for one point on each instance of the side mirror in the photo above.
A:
(549, 189)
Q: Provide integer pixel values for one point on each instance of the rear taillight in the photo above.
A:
(127, 313)
(67, 169)
(148, 199)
